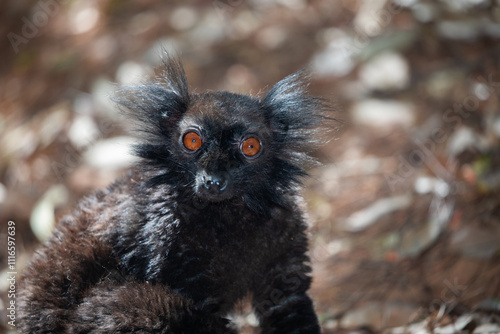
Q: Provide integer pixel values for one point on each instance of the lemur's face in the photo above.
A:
(223, 144)
(220, 146)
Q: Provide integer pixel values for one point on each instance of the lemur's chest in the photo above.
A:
(217, 261)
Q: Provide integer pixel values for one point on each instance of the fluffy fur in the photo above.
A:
(163, 250)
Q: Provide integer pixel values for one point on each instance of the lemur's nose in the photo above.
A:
(214, 183)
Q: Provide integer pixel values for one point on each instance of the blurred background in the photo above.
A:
(405, 215)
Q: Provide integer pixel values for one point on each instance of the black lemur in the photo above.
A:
(210, 214)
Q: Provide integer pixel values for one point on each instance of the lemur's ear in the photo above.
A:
(159, 103)
(156, 106)
(300, 121)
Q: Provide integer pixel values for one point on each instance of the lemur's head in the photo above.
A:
(221, 146)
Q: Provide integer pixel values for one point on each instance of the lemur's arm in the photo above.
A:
(280, 298)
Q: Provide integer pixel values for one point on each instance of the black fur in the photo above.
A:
(157, 252)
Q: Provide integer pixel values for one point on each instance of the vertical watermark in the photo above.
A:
(11, 273)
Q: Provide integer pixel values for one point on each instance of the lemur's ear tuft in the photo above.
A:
(159, 103)
(300, 122)
(174, 76)
(156, 106)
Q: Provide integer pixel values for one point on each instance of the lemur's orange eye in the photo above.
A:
(250, 147)
(192, 141)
